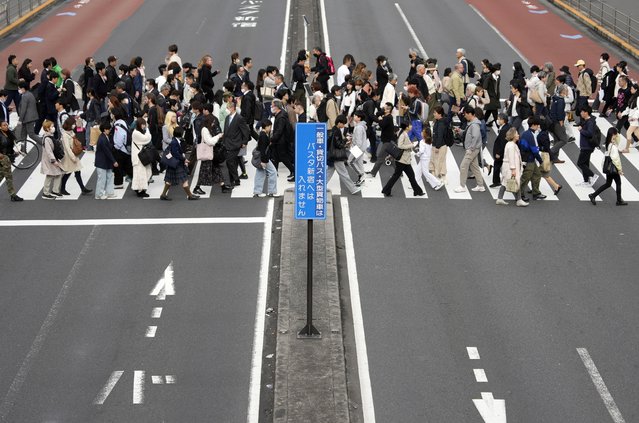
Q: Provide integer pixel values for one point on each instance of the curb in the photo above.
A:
(4, 31)
(597, 27)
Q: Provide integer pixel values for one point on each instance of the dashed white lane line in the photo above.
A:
(138, 387)
(156, 313)
(480, 375)
(108, 387)
(150, 331)
(473, 353)
(601, 386)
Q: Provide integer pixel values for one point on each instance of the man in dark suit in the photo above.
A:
(236, 136)
(281, 138)
(28, 113)
(247, 106)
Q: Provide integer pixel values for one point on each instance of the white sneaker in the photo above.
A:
(634, 144)
(501, 202)
(460, 189)
(478, 188)
(440, 186)
(443, 179)
(111, 196)
(522, 203)
(101, 197)
(583, 184)
(592, 180)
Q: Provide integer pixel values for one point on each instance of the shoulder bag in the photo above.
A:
(545, 164)
(168, 160)
(512, 185)
(204, 151)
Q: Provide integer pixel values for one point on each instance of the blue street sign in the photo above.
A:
(310, 171)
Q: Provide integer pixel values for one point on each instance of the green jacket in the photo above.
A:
(58, 70)
(12, 78)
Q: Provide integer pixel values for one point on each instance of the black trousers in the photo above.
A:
(124, 167)
(583, 163)
(609, 178)
(497, 171)
(283, 155)
(231, 164)
(65, 178)
(408, 170)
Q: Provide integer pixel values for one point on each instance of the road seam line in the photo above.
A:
(412, 31)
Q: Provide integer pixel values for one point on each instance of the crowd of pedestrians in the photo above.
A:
(179, 123)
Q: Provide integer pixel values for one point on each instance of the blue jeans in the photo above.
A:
(270, 174)
(415, 133)
(104, 185)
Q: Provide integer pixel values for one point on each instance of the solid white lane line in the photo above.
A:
(38, 342)
(108, 387)
(412, 32)
(136, 222)
(138, 387)
(480, 375)
(287, 17)
(156, 313)
(253, 413)
(150, 331)
(473, 353)
(601, 386)
(500, 34)
(368, 408)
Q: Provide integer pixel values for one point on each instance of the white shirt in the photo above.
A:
(342, 71)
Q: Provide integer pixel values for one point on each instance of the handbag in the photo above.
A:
(512, 185)
(77, 147)
(148, 154)
(219, 152)
(256, 159)
(95, 134)
(394, 151)
(168, 160)
(609, 167)
(337, 153)
(204, 151)
(545, 163)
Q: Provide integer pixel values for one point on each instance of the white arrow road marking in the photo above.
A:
(571, 37)
(538, 12)
(165, 285)
(480, 375)
(67, 14)
(491, 410)
(138, 387)
(108, 387)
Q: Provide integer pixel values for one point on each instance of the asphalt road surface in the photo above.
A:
(459, 297)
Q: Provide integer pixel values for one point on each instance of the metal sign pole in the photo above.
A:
(309, 331)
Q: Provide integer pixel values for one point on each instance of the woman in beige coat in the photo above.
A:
(70, 163)
(49, 166)
(511, 168)
(403, 164)
(141, 173)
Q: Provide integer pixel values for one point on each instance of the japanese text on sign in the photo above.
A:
(310, 171)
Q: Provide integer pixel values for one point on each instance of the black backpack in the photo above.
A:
(129, 135)
(322, 116)
(58, 149)
(258, 110)
(595, 141)
(593, 79)
(470, 68)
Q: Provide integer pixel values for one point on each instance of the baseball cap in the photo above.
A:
(580, 62)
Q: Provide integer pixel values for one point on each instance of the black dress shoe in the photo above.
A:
(387, 194)
(244, 176)
(420, 194)
(236, 183)
(56, 194)
(592, 199)
(226, 190)
(558, 189)
(619, 203)
(193, 197)
(64, 192)
(493, 185)
(165, 198)
(199, 191)
(539, 197)
(557, 161)
(86, 191)
(15, 198)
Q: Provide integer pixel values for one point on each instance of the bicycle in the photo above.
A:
(27, 152)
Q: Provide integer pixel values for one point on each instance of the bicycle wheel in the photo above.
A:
(28, 154)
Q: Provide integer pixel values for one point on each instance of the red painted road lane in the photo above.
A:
(538, 36)
(70, 39)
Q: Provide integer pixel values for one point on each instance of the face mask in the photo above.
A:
(384, 63)
(513, 68)
(601, 60)
(498, 72)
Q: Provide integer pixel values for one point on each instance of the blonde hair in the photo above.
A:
(46, 125)
(170, 126)
(510, 135)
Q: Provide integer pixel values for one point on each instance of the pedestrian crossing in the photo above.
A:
(29, 182)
